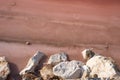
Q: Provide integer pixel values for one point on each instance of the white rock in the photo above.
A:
(102, 66)
(4, 68)
(32, 63)
(69, 70)
(87, 54)
(56, 58)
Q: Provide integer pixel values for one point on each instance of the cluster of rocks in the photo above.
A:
(58, 67)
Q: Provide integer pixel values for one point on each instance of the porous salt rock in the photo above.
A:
(69, 70)
(102, 66)
(56, 58)
(4, 68)
(32, 63)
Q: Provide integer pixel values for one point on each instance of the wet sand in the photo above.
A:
(58, 25)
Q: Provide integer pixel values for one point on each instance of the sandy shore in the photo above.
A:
(58, 25)
(18, 53)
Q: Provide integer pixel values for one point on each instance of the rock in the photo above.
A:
(38, 78)
(27, 43)
(56, 58)
(87, 54)
(102, 66)
(73, 79)
(47, 73)
(4, 68)
(86, 72)
(115, 77)
(32, 63)
(29, 76)
(69, 70)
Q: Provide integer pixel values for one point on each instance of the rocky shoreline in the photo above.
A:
(59, 67)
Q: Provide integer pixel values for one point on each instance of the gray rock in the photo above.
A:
(32, 63)
(4, 68)
(69, 70)
(56, 58)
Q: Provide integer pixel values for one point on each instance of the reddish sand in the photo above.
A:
(58, 25)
